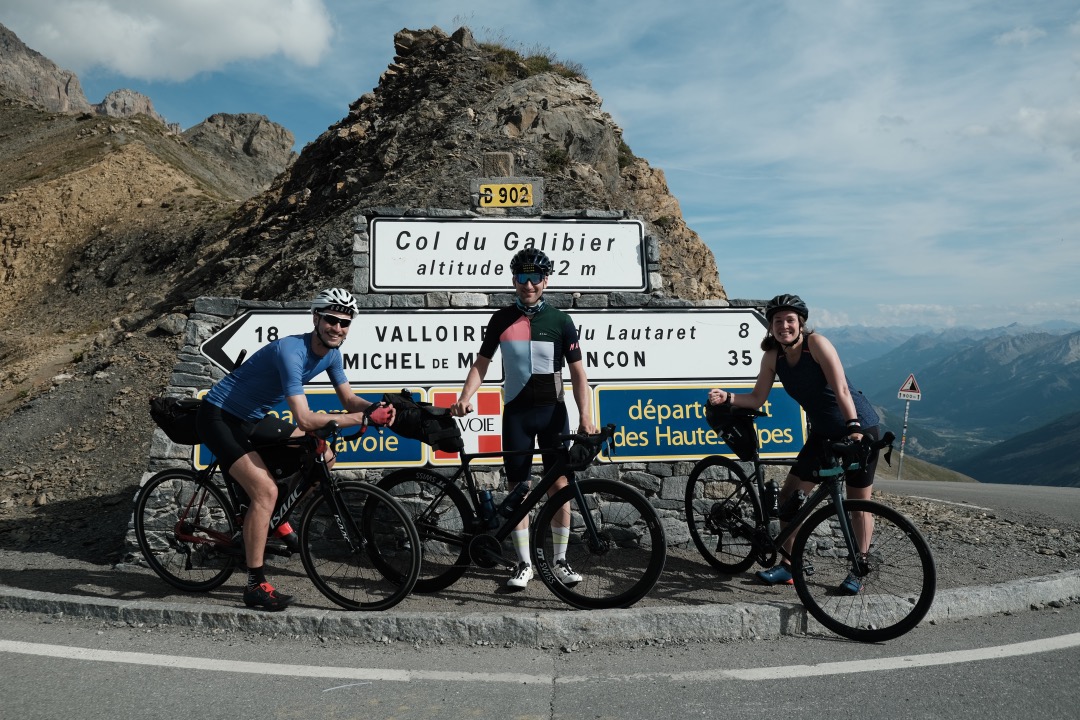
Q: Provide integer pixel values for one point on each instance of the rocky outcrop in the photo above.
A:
(250, 144)
(418, 140)
(128, 103)
(31, 75)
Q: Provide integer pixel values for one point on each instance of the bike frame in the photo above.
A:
(536, 493)
(829, 489)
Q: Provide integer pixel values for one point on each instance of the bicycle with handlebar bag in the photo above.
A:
(616, 543)
(860, 568)
(188, 523)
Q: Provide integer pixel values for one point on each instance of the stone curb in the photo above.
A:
(718, 623)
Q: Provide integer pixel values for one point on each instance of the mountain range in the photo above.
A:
(986, 395)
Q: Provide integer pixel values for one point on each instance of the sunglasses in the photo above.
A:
(335, 320)
(534, 278)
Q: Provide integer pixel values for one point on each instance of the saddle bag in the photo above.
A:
(735, 429)
(176, 417)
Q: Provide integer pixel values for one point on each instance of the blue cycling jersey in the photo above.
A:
(276, 371)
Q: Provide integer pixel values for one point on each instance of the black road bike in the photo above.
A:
(616, 538)
(358, 545)
(733, 526)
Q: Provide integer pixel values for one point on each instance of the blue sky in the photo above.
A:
(893, 163)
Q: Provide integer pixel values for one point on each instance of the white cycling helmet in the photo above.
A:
(335, 300)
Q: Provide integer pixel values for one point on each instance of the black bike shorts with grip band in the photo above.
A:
(814, 451)
(230, 437)
(525, 424)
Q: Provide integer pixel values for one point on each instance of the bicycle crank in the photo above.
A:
(485, 551)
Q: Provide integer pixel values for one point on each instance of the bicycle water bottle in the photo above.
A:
(510, 504)
(772, 511)
(487, 509)
(770, 498)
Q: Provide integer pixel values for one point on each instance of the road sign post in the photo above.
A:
(908, 391)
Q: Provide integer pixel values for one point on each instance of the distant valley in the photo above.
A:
(997, 404)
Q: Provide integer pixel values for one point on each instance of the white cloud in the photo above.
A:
(1020, 36)
(170, 40)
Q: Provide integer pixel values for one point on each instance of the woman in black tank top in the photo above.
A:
(810, 370)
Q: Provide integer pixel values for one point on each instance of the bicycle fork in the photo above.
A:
(847, 530)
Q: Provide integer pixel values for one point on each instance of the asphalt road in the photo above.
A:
(995, 668)
(1061, 503)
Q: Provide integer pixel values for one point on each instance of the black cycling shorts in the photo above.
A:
(814, 450)
(229, 437)
(526, 425)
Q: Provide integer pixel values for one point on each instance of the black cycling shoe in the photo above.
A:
(264, 597)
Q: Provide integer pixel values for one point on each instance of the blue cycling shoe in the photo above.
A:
(778, 575)
(851, 586)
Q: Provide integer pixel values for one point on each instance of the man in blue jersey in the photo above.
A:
(236, 408)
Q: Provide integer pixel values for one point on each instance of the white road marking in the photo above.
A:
(950, 502)
(256, 668)
(996, 652)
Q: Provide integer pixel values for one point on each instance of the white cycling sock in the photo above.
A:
(520, 539)
(560, 538)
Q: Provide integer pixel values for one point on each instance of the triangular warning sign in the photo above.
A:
(910, 386)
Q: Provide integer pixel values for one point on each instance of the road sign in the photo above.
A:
(473, 254)
(663, 423)
(437, 347)
(910, 390)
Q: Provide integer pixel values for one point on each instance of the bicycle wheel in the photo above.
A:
(618, 567)
(182, 523)
(338, 555)
(897, 574)
(722, 510)
(442, 515)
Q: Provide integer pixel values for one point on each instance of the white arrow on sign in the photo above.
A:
(435, 347)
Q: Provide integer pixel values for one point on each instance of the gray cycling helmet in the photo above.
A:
(530, 260)
(786, 302)
(335, 300)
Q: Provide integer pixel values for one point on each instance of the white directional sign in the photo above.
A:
(428, 347)
(910, 389)
(418, 254)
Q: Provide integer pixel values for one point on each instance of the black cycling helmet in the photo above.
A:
(530, 260)
(786, 302)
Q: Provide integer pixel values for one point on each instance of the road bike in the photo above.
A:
(616, 539)
(734, 522)
(189, 527)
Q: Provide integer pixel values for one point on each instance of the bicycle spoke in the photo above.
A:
(179, 523)
(892, 585)
(620, 564)
(721, 512)
(365, 558)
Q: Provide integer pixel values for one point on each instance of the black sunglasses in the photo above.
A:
(335, 320)
(535, 278)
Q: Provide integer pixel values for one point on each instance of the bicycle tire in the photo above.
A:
(186, 564)
(443, 517)
(633, 552)
(343, 570)
(722, 511)
(897, 589)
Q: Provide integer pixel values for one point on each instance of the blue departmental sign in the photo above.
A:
(667, 422)
(378, 447)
